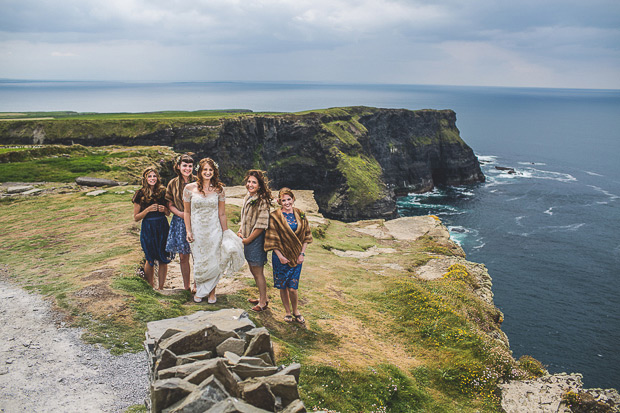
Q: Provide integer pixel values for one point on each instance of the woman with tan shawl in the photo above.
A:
(288, 236)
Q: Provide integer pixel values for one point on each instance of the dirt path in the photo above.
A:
(46, 367)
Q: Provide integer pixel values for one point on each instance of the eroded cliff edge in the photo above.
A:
(356, 159)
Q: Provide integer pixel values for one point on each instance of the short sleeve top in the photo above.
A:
(139, 198)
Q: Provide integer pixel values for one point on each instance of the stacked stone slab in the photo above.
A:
(217, 362)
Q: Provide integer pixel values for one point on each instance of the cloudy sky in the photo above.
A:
(541, 43)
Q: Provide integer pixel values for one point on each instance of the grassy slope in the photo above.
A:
(377, 338)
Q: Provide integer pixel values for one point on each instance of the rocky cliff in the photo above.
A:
(355, 159)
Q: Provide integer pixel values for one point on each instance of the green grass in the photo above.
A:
(53, 169)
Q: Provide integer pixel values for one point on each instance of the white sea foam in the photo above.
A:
(563, 228)
(486, 158)
(612, 197)
(593, 173)
(532, 163)
(518, 220)
(549, 211)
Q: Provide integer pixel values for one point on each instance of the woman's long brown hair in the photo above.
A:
(187, 158)
(158, 188)
(215, 179)
(264, 192)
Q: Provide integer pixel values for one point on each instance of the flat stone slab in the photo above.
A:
(89, 181)
(96, 193)
(228, 319)
(18, 189)
(32, 191)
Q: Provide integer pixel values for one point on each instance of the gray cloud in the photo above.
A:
(526, 43)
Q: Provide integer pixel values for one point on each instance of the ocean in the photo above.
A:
(548, 232)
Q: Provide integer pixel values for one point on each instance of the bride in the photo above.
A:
(215, 248)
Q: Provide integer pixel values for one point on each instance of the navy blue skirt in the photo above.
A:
(255, 253)
(153, 236)
(177, 237)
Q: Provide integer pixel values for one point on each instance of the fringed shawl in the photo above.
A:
(280, 236)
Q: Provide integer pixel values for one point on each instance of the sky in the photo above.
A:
(524, 43)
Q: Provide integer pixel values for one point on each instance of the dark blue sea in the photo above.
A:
(549, 233)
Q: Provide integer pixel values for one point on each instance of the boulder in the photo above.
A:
(232, 405)
(166, 392)
(247, 370)
(282, 386)
(90, 181)
(233, 345)
(208, 394)
(296, 406)
(203, 339)
(18, 189)
(232, 319)
(291, 370)
(258, 394)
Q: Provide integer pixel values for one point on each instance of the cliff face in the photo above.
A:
(355, 159)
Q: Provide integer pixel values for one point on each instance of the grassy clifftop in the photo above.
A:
(379, 336)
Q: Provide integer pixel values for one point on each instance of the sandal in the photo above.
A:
(288, 318)
(255, 301)
(197, 299)
(299, 318)
(258, 308)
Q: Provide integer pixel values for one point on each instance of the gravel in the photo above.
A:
(45, 367)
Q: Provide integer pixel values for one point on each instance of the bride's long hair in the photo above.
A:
(215, 179)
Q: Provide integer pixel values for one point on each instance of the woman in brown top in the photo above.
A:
(149, 205)
(288, 236)
(254, 222)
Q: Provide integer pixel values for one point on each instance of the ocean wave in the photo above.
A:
(518, 220)
(563, 228)
(549, 211)
(532, 163)
(486, 158)
(612, 197)
(593, 173)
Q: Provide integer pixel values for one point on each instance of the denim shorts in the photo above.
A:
(255, 253)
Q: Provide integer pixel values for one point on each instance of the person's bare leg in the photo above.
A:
(185, 269)
(162, 272)
(259, 277)
(292, 293)
(285, 300)
(148, 273)
(212, 296)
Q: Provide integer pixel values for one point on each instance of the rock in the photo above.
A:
(232, 319)
(206, 338)
(166, 392)
(232, 345)
(506, 169)
(90, 181)
(247, 370)
(258, 394)
(167, 359)
(282, 386)
(292, 369)
(32, 191)
(255, 361)
(295, 406)
(193, 357)
(259, 341)
(232, 405)
(266, 357)
(96, 193)
(232, 358)
(219, 370)
(184, 370)
(540, 395)
(208, 394)
(18, 189)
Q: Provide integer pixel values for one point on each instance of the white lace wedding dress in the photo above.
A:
(215, 252)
